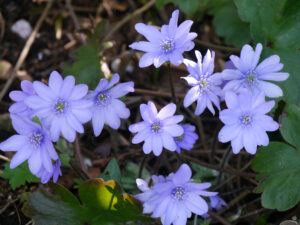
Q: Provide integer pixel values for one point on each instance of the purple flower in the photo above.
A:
(168, 44)
(107, 108)
(46, 176)
(187, 139)
(174, 198)
(32, 143)
(20, 108)
(247, 74)
(158, 129)
(245, 121)
(61, 105)
(205, 84)
(217, 203)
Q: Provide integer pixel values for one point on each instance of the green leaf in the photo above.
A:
(229, 25)
(102, 203)
(279, 171)
(276, 23)
(48, 209)
(290, 125)
(37, 120)
(290, 58)
(19, 175)
(86, 67)
(112, 171)
(262, 15)
(106, 200)
(187, 6)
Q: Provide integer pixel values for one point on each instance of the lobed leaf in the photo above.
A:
(19, 175)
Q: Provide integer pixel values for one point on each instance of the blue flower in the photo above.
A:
(217, 203)
(158, 129)
(107, 108)
(20, 108)
(175, 198)
(46, 175)
(187, 139)
(168, 44)
(245, 121)
(253, 76)
(61, 105)
(32, 143)
(205, 84)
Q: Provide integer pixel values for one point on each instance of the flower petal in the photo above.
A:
(35, 162)
(98, 121)
(79, 91)
(67, 87)
(55, 82)
(183, 175)
(271, 90)
(23, 154)
(157, 145)
(14, 143)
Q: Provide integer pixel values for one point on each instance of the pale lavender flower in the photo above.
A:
(205, 84)
(32, 143)
(107, 108)
(22, 27)
(187, 139)
(245, 121)
(217, 203)
(46, 175)
(158, 128)
(61, 105)
(175, 198)
(20, 108)
(168, 44)
(253, 76)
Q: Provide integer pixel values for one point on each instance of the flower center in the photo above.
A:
(167, 45)
(60, 106)
(246, 119)
(36, 139)
(155, 127)
(251, 78)
(179, 138)
(103, 99)
(178, 193)
(205, 82)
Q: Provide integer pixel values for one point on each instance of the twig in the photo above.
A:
(217, 47)
(218, 218)
(26, 49)
(128, 18)
(7, 205)
(142, 166)
(171, 82)
(223, 163)
(4, 158)
(232, 177)
(2, 26)
(156, 93)
(78, 153)
(195, 219)
(75, 20)
(225, 170)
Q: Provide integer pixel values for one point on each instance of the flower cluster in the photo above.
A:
(245, 120)
(62, 108)
(175, 197)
